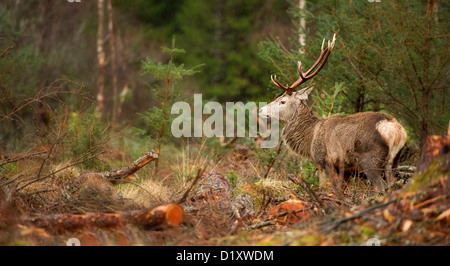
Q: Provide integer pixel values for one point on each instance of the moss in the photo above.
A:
(232, 177)
(367, 231)
(310, 240)
(264, 189)
(10, 168)
(430, 176)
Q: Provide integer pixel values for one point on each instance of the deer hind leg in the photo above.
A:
(395, 137)
(388, 172)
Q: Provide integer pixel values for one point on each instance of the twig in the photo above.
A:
(272, 163)
(338, 222)
(225, 144)
(274, 217)
(306, 186)
(57, 171)
(12, 180)
(21, 157)
(338, 200)
(131, 169)
(49, 154)
(407, 168)
(40, 191)
(420, 205)
(186, 193)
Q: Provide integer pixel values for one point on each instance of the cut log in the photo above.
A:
(164, 215)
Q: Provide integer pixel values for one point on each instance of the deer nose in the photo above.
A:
(260, 111)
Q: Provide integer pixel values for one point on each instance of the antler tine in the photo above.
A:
(324, 54)
(302, 78)
(275, 81)
(320, 62)
(299, 65)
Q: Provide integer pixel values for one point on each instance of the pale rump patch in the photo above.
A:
(394, 135)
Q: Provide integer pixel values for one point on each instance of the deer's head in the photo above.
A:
(288, 103)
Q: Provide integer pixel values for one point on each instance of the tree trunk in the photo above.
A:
(426, 86)
(101, 60)
(123, 63)
(302, 28)
(112, 45)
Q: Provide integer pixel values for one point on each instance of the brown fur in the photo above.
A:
(368, 141)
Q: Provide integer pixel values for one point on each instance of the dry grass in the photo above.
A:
(208, 220)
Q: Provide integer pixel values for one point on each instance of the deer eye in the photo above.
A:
(283, 102)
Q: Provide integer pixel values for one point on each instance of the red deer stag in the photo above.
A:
(370, 141)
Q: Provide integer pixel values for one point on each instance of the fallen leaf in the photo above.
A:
(388, 216)
(406, 225)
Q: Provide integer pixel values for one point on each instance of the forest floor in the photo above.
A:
(211, 210)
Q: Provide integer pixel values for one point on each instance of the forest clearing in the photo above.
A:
(224, 123)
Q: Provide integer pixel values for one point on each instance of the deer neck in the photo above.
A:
(298, 131)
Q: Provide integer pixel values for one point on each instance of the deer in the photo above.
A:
(367, 141)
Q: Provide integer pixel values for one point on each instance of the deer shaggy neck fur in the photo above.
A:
(298, 133)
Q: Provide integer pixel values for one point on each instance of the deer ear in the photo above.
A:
(304, 93)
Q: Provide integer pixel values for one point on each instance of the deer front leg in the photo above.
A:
(373, 169)
(335, 178)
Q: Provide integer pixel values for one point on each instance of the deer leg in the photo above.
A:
(391, 164)
(334, 178)
(373, 168)
(388, 173)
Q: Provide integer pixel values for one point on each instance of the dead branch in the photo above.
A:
(78, 161)
(406, 168)
(186, 193)
(50, 92)
(329, 227)
(338, 201)
(301, 182)
(124, 172)
(15, 158)
(273, 220)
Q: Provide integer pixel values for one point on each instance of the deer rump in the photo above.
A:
(367, 143)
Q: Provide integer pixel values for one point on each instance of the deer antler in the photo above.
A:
(318, 65)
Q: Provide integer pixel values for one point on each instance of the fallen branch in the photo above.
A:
(406, 168)
(124, 172)
(327, 228)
